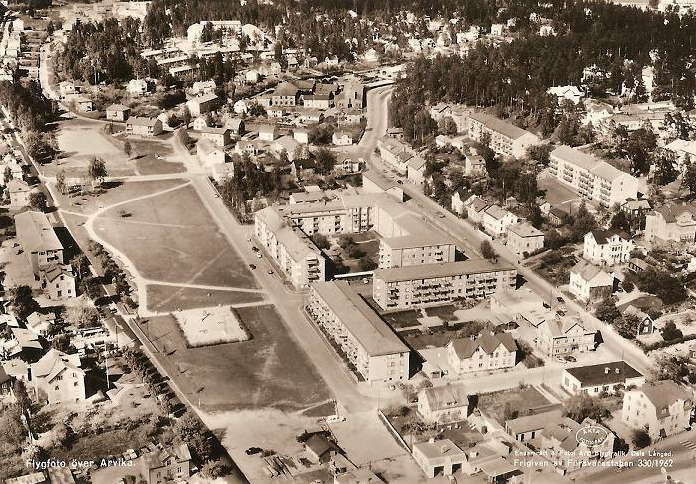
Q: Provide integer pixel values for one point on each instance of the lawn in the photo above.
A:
(520, 400)
(145, 153)
(162, 298)
(404, 319)
(268, 370)
(80, 140)
(172, 238)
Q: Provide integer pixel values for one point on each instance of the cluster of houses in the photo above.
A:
(20, 46)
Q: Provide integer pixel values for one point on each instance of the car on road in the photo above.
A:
(560, 299)
(440, 214)
(269, 272)
(253, 450)
(252, 266)
(335, 418)
(400, 182)
(569, 358)
(254, 248)
(259, 256)
(560, 360)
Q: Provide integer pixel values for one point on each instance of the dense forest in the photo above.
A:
(515, 76)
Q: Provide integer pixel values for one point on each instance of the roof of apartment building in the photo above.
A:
(376, 337)
(604, 373)
(590, 272)
(525, 229)
(498, 125)
(420, 233)
(487, 341)
(36, 233)
(379, 180)
(587, 161)
(446, 396)
(664, 393)
(439, 448)
(534, 422)
(294, 240)
(440, 269)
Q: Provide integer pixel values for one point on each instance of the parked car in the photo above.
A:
(253, 450)
(270, 272)
(572, 359)
(335, 418)
(259, 256)
(254, 248)
(252, 266)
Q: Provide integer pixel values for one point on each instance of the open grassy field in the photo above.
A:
(173, 238)
(268, 370)
(145, 153)
(162, 298)
(80, 140)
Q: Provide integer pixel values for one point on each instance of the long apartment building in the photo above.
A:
(293, 251)
(423, 285)
(593, 178)
(506, 139)
(367, 342)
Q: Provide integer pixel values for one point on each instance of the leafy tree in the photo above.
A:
(582, 406)
(665, 170)
(96, 170)
(627, 326)
(640, 438)
(11, 426)
(22, 399)
(670, 332)
(213, 470)
(38, 201)
(82, 315)
(671, 367)
(539, 153)
(367, 264)
(627, 285)
(60, 181)
(583, 223)
(325, 160)
(487, 251)
(607, 311)
(190, 430)
(127, 148)
(80, 265)
(321, 241)
(91, 287)
(22, 301)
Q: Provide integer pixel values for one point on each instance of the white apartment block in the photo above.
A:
(364, 338)
(608, 247)
(421, 285)
(487, 351)
(523, 238)
(671, 223)
(506, 139)
(593, 178)
(662, 408)
(296, 255)
(496, 220)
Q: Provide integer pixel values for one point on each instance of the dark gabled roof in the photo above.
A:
(604, 373)
(602, 236)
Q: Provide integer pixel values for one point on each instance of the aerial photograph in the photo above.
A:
(348, 242)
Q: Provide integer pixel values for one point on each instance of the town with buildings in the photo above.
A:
(357, 242)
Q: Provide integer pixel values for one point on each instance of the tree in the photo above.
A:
(321, 241)
(607, 311)
(90, 286)
(212, 470)
(665, 170)
(82, 315)
(539, 153)
(671, 367)
(11, 426)
(584, 222)
(627, 325)
(689, 177)
(38, 201)
(582, 406)
(96, 170)
(186, 116)
(367, 264)
(325, 160)
(80, 264)
(627, 285)
(60, 181)
(127, 148)
(21, 396)
(190, 430)
(670, 332)
(487, 251)
(640, 438)
(22, 301)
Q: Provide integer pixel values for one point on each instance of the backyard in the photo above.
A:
(513, 403)
(269, 370)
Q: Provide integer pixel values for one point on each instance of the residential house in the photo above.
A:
(117, 112)
(342, 138)
(523, 238)
(474, 165)
(59, 378)
(437, 457)
(662, 408)
(58, 281)
(608, 247)
(601, 378)
(218, 136)
(671, 222)
(395, 153)
(203, 87)
(475, 209)
(636, 208)
(309, 116)
(209, 153)
(163, 465)
(40, 323)
(646, 325)
(23, 344)
(6, 383)
(415, 169)
(506, 139)
(203, 104)
(144, 126)
(303, 169)
(319, 449)
(396, 133)
(20, 192)
(682, 150)
(524, 429)
(352, 96)
(638, 265)
(589, 282)
(285, 94)
(556, 216)
(564, 336)
(443, 404)
(137, 87)
(569, 442)
(317, 101)
(566, 93)
(200, 123)
(268, 132)
(497, 220)
(301, 135)
(236, 126)
(82, 104)
(38, 240)
(349, 164)
(459, 199)
(591, 177)
(487, 351)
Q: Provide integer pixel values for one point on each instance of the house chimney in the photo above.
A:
(606, 370)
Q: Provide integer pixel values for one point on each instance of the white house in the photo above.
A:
(448, 403)
(496, 220)
(459, 199)
(662, 408)
(608, 247)
(570, 93)
(604, 377)
(589, 282)
(487, 351)
(524, 238)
